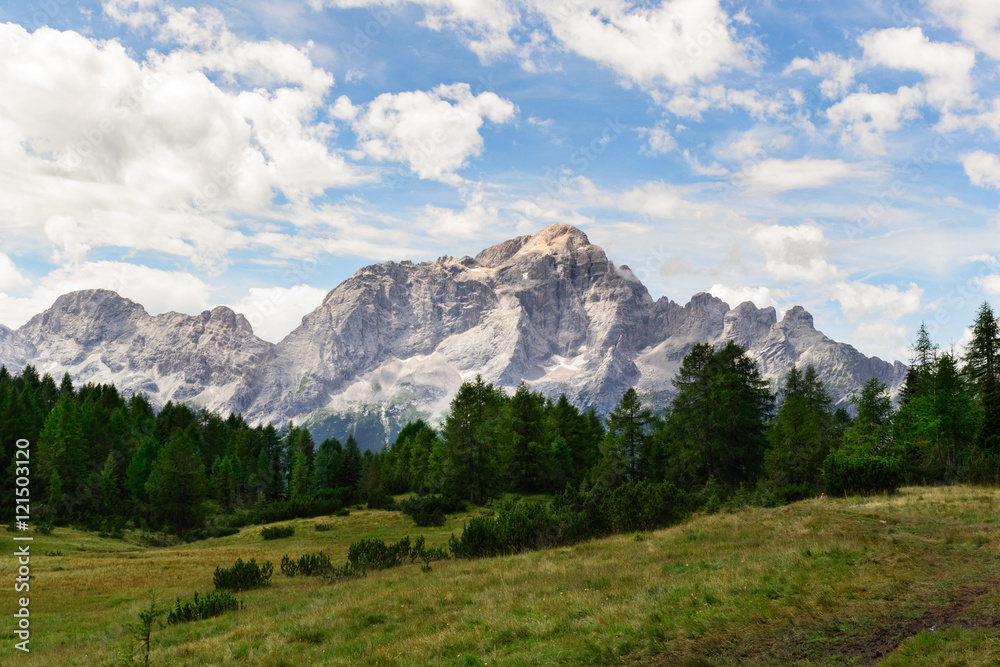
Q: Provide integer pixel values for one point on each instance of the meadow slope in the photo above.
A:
(907, 579)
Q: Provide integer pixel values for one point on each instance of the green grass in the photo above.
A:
(827, 582)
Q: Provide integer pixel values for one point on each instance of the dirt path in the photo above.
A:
(868, 648)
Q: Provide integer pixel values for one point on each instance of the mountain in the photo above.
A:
(395, 340)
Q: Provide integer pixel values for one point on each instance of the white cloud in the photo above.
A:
(838, 72)
(982, 168)
(484, 25)
(10, 277)
(274, 312)
(948, 67)
(978, 21)
(95, 152)
(676, 43)
(157, 290)
(773, 175)
(435, 132)
(877, 310)
(692, 105)
(659, 141)
(699, 169)
(864, 118)
(794, 253)
(762, 297)
(990, 283)
(881, 303)
(133, 13)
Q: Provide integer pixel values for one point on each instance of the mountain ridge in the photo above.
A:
(395, 340)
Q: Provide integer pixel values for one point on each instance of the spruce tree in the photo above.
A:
(471, 432)
(801, 436)
(176, 484)
(627, 442)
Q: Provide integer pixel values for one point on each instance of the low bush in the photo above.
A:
(210, 532)
(429, 511)
(213, 603)
(243, 575)
(301, 508)
(309, 565)
(321, 527)
(277, 532)
(429, 519)
(573, 516)
(846, 471)
(378, 499)
(513, 526)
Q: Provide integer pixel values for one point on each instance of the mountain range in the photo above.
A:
(395, 341)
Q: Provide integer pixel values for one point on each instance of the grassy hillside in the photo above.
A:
(815, 583)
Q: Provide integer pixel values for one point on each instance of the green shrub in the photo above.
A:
(243, 576)
(641, 506)
(213, 603)
(513, 526)
(308, 565)
(446, 504)
(378, 499)
(274, 511)
(429, 519)
(277, 532)
(846, 471)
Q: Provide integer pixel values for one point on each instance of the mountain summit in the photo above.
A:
(394, 341)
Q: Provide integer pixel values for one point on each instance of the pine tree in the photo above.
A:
(329, 465)
(352, 467)
(529, 463)
(717, 428)
(801, 436)
(626, 446)
(60, 445)
(471, 432)
(176, 485)
(982, 356)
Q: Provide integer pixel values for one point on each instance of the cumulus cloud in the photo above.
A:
(884, 303)
(990, 283)
(762, 297)
(794, 253)
(158, 290)
(274, 312)
(982, 168)
(948, 67)
(865, 118)
(978, 21)
(659, 141)
(673, 44)
(876, 310)
(838, 73)
(10, 277)
(96, 152)
(435, 132)
(484, 25)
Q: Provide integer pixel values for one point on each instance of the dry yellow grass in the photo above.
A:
(812, 583)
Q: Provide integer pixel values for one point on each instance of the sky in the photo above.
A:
(839, 156)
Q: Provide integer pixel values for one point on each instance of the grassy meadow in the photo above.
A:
(820, 582)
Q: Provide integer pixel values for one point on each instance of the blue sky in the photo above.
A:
(841, 156)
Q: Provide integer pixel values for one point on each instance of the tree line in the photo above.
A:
(101, 460)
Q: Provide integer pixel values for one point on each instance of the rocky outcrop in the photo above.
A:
(395, 340)
(99, 336)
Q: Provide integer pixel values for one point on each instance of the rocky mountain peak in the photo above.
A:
(393, 342)
(797, 318)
